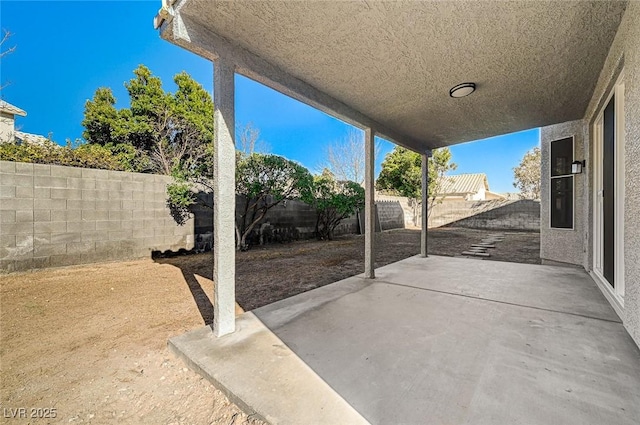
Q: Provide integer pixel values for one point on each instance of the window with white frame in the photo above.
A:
(561, 184)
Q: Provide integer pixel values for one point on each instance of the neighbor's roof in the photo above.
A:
(9, 108)
(464, 183)
(30, 138)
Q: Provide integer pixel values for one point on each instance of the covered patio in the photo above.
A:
(438, 340)
(426, 340)
(423, 75)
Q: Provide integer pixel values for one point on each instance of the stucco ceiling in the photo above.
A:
(535, 63)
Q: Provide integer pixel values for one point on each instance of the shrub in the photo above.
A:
(82, 155)
(334, 201)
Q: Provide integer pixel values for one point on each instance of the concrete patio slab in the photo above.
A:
(433, 340)
(563, 289)
(262, 376)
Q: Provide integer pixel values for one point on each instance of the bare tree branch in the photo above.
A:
(5, 51)
(5, 37)
(345, 158)
(248, 140)
(177, 143)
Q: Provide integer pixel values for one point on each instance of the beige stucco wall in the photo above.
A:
(624, 53)
(480, 195)
(632, 172)
(6, 128)
(563, 245)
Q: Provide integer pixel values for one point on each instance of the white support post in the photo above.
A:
(224, 200)
(369, 206)
(425, 204)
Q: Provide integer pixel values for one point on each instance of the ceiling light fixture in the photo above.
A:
(462, 90)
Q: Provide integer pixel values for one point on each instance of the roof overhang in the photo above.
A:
(390, 65)
(7, 108)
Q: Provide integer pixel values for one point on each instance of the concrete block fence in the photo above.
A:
(491, 214)
(390, 214)
(57, 216)
(509, 215)
(289, 214)
(54, 216)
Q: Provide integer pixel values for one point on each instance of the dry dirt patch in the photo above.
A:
(271, 273)
(90, 341)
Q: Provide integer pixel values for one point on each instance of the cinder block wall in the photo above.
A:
(410, 207)
(55, 216)
(509, 215)
(290, 214)
(450, 211)
(390, 214)
(506, 214)
(303, 217)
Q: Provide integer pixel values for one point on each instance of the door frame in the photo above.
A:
(614, 294)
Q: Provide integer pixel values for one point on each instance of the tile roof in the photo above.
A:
(30, 138)
(464, 183)
(7, 107)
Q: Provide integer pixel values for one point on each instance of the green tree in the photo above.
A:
(264, 181)
(402, 174)
(104, 125)
(333, 201)
(527, 175)
(149, 106)
(192, 103)
(167, 132)
(100, 118)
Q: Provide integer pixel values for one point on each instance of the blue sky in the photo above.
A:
(65, 50)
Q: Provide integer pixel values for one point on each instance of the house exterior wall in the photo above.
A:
(480, 195)
(6, 127)
(563, 245)
(624, 53)
(632, 173)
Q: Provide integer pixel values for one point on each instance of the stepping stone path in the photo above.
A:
(480, 249)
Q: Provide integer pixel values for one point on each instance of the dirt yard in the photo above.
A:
(88, 344)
